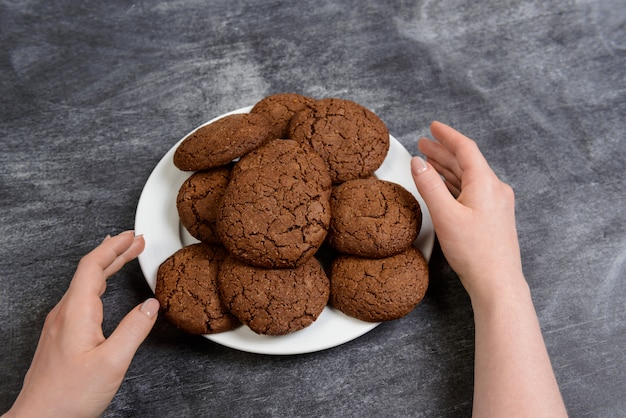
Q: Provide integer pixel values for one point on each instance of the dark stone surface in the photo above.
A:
(93, 93)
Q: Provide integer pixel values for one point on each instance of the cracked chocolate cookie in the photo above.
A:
(186, 288)
(197, 202)
(382, 289)
(274, 301)
(222, 141)
(279, 109)
(351, 139)
(275, 211)
(373, 218)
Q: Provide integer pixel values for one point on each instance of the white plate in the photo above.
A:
(157, 219)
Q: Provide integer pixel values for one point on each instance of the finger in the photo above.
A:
(431, 187)
(441, 158)
(455, 190)
(450, 177)
(124, 341)
(104, 260)
(130, 254)
(463, 148)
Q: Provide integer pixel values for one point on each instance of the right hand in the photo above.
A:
(473, 212)
(474, 217)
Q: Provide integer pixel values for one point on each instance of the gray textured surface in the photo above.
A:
(93, 93)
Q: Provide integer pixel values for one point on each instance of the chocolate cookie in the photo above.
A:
(381, 289)
(197, 202)
(373, 218)
(274, 301)
(351, 139)
(186, 288)
(279, 109)
(222, 141)
(275, 211)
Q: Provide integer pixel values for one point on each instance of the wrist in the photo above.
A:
(504, 289)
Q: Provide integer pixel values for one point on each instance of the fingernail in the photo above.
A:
(150, 307)
(418, 165)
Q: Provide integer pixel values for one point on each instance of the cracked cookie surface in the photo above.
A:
(373, 218)
(186, 288)
(376, 290)
(350, 138)
(274, 301)
(279, 109)
(198, 200)
(275, 211)
(222, 141)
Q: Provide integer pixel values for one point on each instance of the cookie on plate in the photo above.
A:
(186, 288)
(222, 141)
(351, 139)
(275, 211)
(373, 218)
(274, 301)
(197, 202)
(279, 109)
(376, 290)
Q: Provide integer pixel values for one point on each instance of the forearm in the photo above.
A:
(513, 374)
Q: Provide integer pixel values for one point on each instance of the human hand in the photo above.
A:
(76, 371)
(474, 217)
(473, 212)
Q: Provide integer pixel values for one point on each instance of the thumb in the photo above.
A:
(431, 187)
(131, 332)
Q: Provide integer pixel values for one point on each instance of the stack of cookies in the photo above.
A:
(272, 187)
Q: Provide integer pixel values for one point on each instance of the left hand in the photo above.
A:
(76, 371)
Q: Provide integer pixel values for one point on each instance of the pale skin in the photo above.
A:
(76, 371)
(473, 213)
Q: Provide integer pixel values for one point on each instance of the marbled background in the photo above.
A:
(93, 93)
